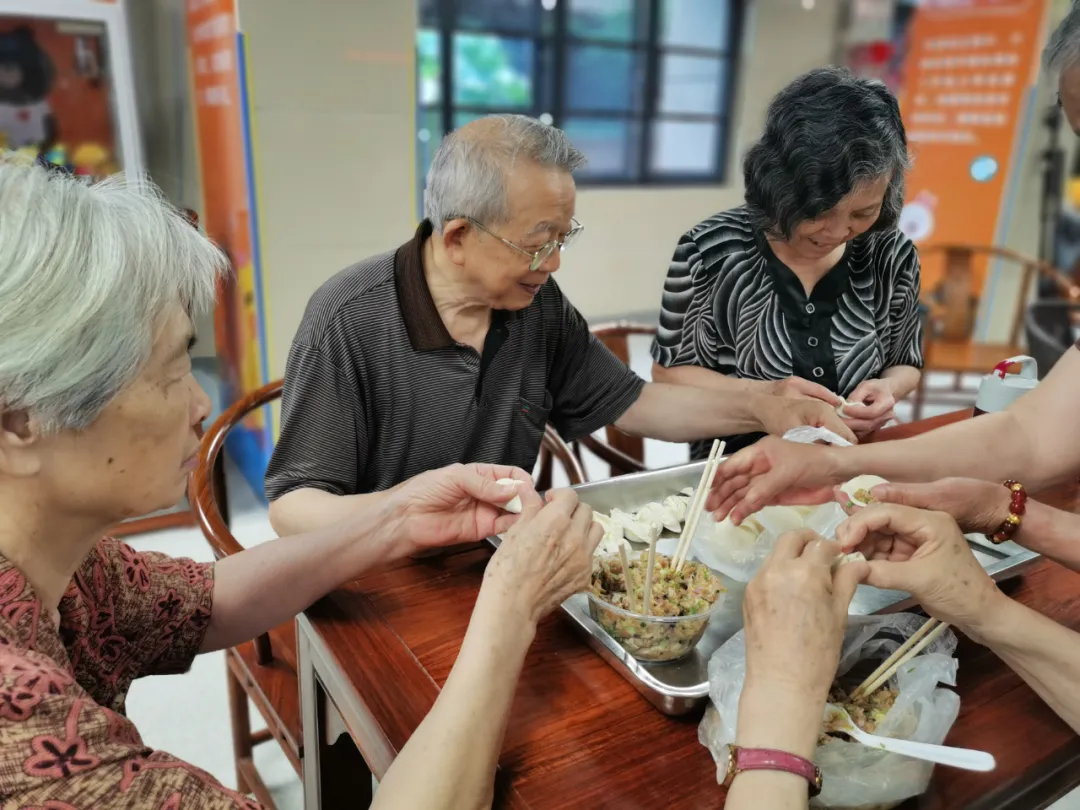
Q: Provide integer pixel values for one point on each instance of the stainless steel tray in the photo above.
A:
(682, 687)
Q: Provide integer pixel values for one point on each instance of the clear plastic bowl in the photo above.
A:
(652, 638)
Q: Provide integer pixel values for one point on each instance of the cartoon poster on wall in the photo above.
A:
(56, 93)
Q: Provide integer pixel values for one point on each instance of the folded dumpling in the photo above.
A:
(660, 513)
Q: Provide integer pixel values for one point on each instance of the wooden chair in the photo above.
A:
(622, 452)
(264, 670)
(949, 344)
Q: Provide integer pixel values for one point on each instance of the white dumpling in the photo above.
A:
(858, 488)
(659, 513)
(844, 559)
(610, 545)
(678, 504)
(737, 542)
(514, 504)
(638, 531)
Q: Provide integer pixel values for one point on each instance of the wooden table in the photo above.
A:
(373, 656)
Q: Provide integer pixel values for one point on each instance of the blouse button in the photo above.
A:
(810, 309)
(819, 372)
(812, 341)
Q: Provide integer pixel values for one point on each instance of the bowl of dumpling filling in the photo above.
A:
(664, 627)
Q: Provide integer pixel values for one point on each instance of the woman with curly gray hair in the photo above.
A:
(809, 289)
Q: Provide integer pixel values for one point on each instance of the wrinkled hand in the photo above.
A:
(458, 504)
(925, 554)
(772, 471)
(976, 506)
(872, 406)
(778, 415)
(797, 387)
(546, 557)
(796, 612)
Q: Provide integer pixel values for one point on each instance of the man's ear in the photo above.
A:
(20, 436)
(453, 238)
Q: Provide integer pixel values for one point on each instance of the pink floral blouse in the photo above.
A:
(65, 743)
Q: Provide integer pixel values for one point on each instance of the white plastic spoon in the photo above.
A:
(966, 758)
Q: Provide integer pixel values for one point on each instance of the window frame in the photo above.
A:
(558, 38)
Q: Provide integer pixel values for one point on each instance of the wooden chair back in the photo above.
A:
(555, 449)
(206, 490)
(954, 302)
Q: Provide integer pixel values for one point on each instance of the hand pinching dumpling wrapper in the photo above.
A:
(858, 489)
(514, 504)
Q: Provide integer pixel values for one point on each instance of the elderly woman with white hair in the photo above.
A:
(100, 421)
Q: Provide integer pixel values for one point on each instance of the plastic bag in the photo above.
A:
(855, 776)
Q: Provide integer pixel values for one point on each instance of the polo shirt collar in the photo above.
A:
(423, 323)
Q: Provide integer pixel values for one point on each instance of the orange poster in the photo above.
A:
(220, 94)
(969, 75)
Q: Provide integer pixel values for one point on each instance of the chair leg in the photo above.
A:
(241, 727)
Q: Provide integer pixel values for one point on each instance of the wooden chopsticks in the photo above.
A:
(924, 637)
(697, 504)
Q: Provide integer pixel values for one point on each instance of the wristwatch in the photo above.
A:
(767, 759)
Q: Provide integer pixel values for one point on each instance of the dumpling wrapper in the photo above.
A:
(514, 504)
(662, 514)
(610, 544)
(844, 559)
(783, 518)
(858, 488)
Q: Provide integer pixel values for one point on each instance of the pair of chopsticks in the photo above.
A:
(697, 506)
(924, 637)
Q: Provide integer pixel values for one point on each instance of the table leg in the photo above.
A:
(335, 775)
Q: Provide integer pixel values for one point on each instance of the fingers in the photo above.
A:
(920, 496)
(888, 519)
(893, 576)
(791, 544)
(833, 422)
(596, 534)
(558, 509)
(485, 489)
(821, 551)
(812, 389)
(845, 581)
(582, 520)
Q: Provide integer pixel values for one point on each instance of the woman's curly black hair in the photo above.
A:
(825, 133)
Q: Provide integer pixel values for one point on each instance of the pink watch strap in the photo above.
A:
(767, 759)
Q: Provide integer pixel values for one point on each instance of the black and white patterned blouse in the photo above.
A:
(730, 305)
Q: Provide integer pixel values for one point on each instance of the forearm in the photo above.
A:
(1041, 651)
(271, 583)
(902, 380)
(992, 447)
(699, 377)
(771, 717)
(305, 510)
(449, 762)
(683, 413)
(1051, 532)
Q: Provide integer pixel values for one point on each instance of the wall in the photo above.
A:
(620, 263)
(159, 54)
(332, 90)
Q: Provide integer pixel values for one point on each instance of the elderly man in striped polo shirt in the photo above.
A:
(460, 347)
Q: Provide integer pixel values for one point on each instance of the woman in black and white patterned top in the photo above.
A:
(809, 289)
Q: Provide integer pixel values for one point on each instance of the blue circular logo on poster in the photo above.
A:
(983, 168)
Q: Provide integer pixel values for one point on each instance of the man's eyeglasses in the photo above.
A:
(540, 256)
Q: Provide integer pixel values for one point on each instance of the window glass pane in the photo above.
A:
(696, 23)
(605, 19)
(604, 79)
(462, 118)
(498, 15)
(492, 71)
(611, 145)
(692, 84)
(428, 67)
(683, 147)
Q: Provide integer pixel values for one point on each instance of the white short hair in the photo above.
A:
(467, 177)
(1062, 51)
(87, 273)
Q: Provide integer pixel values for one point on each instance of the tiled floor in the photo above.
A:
(187, 715)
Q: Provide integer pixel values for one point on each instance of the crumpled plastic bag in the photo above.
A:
(855, 776)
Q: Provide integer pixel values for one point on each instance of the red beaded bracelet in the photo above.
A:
(1017, 506)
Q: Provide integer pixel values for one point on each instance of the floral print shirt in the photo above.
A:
(65, 743)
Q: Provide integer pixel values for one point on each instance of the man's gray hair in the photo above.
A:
(1063, 50)
(87, 274)
(468, 171)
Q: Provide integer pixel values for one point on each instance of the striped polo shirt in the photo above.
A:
(377, 391)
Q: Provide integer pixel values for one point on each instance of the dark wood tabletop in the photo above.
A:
(580, 736)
